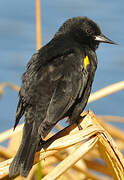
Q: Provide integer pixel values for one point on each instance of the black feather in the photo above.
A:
(55, 84)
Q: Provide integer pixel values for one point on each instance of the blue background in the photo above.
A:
(18, 43)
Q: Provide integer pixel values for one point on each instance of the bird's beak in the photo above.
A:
(102, 38)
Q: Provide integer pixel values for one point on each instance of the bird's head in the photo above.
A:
(84, 31)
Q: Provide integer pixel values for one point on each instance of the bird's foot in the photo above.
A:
(72, 120)
(78, 123)
(79, 126)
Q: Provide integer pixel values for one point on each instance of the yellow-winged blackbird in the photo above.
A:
(56, 84)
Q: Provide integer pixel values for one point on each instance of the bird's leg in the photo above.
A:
(76, 120)
(40, 145)
(78, 123)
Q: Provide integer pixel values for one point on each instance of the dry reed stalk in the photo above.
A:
(71, 175)
(118, 157)
(82, 166)
(69, 140)
(7, 84)
(111, 118)
(38, 25)
(110, 153)
(71, 159)
(93, 154)
(55, 144)
(80, 163)
(13, 86)
(120, 144)
(49, 161)
(106, 91)
(9, 133)
(97, 167)
(115, 132)
(18, 178)
(88, 174)
(32, 173)
(46, 168)
(4, 166)
(5, 153)
(112, 157)
(53, 148)
(65, 176)
(2, 86)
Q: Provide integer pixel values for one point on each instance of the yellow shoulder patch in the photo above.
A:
(86, 62)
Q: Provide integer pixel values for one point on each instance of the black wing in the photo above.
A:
(24, 98)
(87, 79)
(51, 85)
(66, 90)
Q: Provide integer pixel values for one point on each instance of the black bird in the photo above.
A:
(55, 85)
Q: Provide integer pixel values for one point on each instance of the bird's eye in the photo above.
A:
(88, 31)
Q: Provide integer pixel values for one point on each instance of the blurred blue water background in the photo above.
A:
(17, 44)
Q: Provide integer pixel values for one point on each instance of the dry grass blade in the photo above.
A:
(112, 118)
(111, 154)
(93, 133)
(88, 175)
(106, 91)
(71, 159)
(5, 153)
(115, 132)
(2, 86)
(69, 140)
(38, 26)
(97, 167)
(9, 133)
(53, 147)
(120, 144)
(12, 86)
(4, 166)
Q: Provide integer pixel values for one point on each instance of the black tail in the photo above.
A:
(23, 161)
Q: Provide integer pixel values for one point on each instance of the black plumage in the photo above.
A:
(56, 84)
